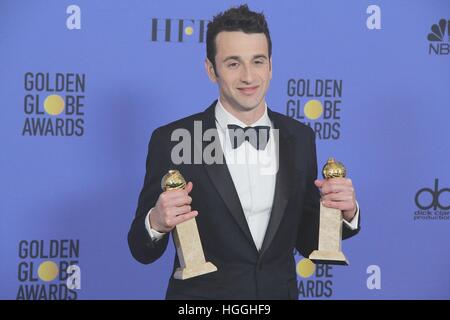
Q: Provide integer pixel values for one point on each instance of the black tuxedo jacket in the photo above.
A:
(243, 271)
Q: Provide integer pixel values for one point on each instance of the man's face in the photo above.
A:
(243, 69)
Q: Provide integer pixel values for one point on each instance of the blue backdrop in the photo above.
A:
(84, 83)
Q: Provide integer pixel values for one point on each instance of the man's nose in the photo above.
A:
(247, 74)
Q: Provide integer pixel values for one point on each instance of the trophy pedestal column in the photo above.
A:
(330, 235)
(190, 252)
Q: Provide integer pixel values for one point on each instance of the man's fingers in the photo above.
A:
(335, 188)
(176, 211)
(171, 194)
(337, 185)
(340, 180)
(337, 197)
(184, 217)
(176, 202)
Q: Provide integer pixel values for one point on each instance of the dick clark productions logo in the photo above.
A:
(433, 203)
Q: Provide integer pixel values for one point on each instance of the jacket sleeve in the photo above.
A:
(141, 245)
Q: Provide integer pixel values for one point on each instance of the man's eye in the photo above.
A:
(259, 62)
(233, 65)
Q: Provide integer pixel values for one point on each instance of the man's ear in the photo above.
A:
(210, 70)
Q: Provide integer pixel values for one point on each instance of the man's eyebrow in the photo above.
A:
(232, 58)
(258, 56)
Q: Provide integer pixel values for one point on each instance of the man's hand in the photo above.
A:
(338, 193)
(172, 208)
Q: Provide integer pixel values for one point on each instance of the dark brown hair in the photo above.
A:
(235, 19)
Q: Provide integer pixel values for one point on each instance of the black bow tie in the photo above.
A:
(258, 136)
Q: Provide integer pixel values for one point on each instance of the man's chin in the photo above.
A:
(248, 105)
(247, 108)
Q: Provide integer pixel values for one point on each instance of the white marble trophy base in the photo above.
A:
(330, 237)
(190, 252)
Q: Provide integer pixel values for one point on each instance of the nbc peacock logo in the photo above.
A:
(439, 41)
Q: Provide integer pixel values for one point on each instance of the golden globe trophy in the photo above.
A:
(330, 229)
(187, 240)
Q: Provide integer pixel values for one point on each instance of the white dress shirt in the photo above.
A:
(253, 175)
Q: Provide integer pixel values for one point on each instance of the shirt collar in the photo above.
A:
(224, 118)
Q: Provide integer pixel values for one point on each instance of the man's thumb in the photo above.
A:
(318, 183)
(189, 187)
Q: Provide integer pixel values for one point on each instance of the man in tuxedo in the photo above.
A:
(251, 215)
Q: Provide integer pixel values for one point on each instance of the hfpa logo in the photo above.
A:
(178, 30)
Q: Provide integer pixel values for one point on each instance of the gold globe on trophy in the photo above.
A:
(173, 180)
(186, 237)
(330, 229)
(333, 169)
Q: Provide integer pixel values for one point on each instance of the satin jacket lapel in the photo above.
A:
(283, 185)
(221, 178)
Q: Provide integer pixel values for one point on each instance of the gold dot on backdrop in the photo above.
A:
(54, 104)
(313, 109)
(305, 268)
(48, 271)
(189, 31)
